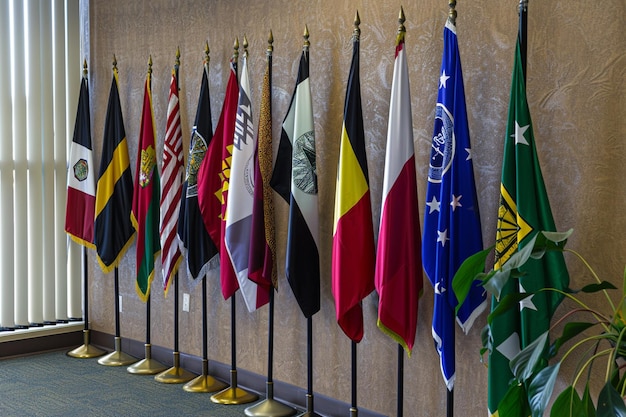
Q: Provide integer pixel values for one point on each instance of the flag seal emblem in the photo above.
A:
(443, 144)
(304, 167)
(81, 170)
(148, 162)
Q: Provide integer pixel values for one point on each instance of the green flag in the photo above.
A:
(524, 210)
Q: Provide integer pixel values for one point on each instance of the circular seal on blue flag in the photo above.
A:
(81, 170)
(304, 169)
(443, 146)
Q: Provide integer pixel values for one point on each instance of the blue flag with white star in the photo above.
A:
(451, 219)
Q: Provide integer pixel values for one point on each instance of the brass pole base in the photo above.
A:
(146, 366)
(86, 351)
(174, 375)
(204, 383)
(233, 395)
(270, 408)
(117, 357)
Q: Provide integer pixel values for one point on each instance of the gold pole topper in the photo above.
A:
(207, 59)
(177, 61)
(356, 33)
(452, 12)
(150, 64)
(245, 46)
(236, 49)
(85, 67)
(401, 28)
(306, 45)
(114, 63)
(270, 43)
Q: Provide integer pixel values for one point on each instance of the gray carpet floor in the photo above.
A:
(54, 384)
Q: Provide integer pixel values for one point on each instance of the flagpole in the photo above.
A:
(147, 366)
(234, 394)
(117, 357)
(204, 382)
(270, 407)
(522, 33)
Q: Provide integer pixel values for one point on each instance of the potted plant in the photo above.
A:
(590, 338)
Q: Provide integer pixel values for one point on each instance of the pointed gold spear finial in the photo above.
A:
(207, 59)
(150, 65)
(452, 12)
(270, 43)
(114, 63)
(236, 49)
(401, 28)
(245, 46)
(356, 33)
(306, 38)
(177, 61)
(85, 68)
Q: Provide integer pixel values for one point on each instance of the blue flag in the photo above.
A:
(451, 219)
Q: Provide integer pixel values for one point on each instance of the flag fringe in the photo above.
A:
(109, 268)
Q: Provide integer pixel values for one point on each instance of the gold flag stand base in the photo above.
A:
(176, 374)
(147, 366)
(86, 351)
(204, 382)
(270, 407)
(233, 395)
(309, 408)
(117, 357)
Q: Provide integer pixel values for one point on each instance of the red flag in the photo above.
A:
(353, 231)
(146, 198)
(213, 177)
(398, 263)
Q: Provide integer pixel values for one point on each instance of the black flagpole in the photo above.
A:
(354, 411)
(204, 382)
(117, 357)
(400, 380)
(522, 34)
(309, 353)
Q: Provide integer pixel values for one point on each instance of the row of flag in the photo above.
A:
(222, 211)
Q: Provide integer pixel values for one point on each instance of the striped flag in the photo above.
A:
(81, 183)
(295, 180)
(241, 196)
(171, 187)
(195, 242)
(262, 258)
(398, 275)
(146, 198)
(113, 231)
(353, 253)
(451, 218)
(213, 182)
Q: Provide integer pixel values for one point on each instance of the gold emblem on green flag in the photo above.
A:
(148, 162)
(512, 228)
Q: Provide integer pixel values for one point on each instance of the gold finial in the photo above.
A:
(356, 33)
(177, 62)
(306, 38)
(270, 43)
(150, 64)
(401, 28)
(236, 49)
(245, 46)
(207, 59)
(114, 63)
(85, 68)
(452, 12)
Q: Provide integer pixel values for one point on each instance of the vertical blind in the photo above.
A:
(39, 81)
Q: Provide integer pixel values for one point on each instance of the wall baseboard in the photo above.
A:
(39, 340)
(287, 393)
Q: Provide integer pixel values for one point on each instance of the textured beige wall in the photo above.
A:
(576, 90)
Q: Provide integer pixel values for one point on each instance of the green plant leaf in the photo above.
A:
(508, 301)
(514, 403)
(587, 403)
(496, 281)
(604, 285)
(550, 241)
(610, 403)
(466, 274)
(541, 387)
(524, 363)
(568, 404)
(571, 330)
